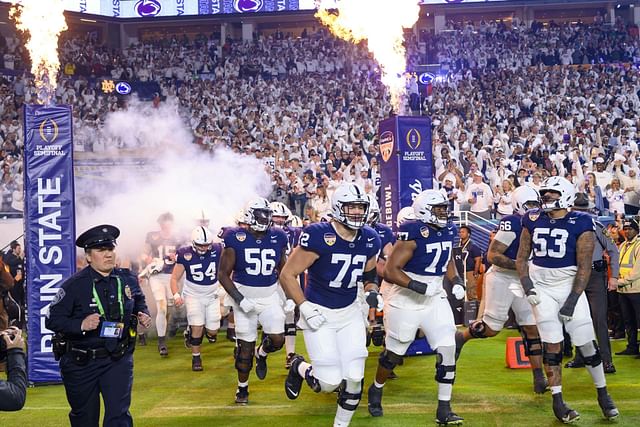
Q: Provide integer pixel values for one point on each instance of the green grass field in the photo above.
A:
(167, 393)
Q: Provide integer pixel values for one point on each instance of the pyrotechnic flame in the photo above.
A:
(44, 21)
(382, 24)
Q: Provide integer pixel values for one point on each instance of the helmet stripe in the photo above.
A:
(204, 233)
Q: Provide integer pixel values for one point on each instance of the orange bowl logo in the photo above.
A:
(48, 130)
(413, 138)
(386, 145)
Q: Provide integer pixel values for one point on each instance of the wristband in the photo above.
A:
(236, 295)
(418, 287)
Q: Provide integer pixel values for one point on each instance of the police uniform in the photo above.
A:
(100, 361)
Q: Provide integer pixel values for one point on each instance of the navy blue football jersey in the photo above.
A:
(433, 247)
(554, 241)
(256, 258)
(293, 235)
(333, 278)
(385, 233)
(162, 247)
(513, 224)
(200, 269)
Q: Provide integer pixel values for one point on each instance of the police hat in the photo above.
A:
(101, 236)
(582, 203)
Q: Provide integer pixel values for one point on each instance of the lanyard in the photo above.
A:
(99, 303)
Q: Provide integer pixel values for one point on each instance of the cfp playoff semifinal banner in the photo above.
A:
(407, 163)
(49, 225)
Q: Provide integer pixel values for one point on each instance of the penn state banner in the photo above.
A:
(407, 163)
(49, 225)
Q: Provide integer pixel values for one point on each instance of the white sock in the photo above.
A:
(245, 384)
(555, 389)
(195, 354)
(302, 369)
(290, 344)
(343, 417)
(597, 374)
(377, 384)
(444, 391)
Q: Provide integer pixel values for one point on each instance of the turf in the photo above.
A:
(167, 393)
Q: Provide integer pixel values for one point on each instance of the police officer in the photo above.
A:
(596, 290)
(95, 314)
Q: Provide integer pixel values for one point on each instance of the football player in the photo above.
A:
(503, 290)
(561, 245)
(416, 300)
(254, 256)
(200, 292)
(160, 257)
(338, 255)
(282, 218)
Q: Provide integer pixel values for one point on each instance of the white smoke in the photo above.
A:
(182, 178)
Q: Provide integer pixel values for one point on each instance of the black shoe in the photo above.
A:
(187, 339)
(628, 352)
(142, 340)
(196, 364)
(617, 336)
(293, 383)
(392, 376)
(609, 409)
(231, 334)
(261, 367)
(608, 368)
(574, 364)
(290, 357)
(563, 412)
(242, 395)
(445, 416)
(375, 401)
(162, 347)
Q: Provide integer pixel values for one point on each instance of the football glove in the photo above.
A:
(289, 306)
(458, 290)
(530, 291)
(246, 305)
(374, 299)
(312, 315)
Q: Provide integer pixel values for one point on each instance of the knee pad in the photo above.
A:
(532, 346)
(443, 372)
(272, 343)
(551, 359)
(193, 340)
(349, 401)
(389, 359)
(594, 359)
(290, 329)
(244, 356)
(478, 329)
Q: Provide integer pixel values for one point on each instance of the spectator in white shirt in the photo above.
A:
(480, 196)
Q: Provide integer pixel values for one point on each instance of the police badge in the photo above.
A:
(127, 291)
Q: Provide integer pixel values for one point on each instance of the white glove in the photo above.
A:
(374, 299)
(533, 297)
(289, 306)
(312, 315)
(458, 291)
(247, 306)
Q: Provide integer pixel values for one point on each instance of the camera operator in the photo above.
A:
(13, 392)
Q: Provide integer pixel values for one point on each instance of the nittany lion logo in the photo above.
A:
(148, 8)
(244, 6)
(48, 130)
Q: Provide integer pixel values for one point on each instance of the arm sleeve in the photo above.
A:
(13, 392)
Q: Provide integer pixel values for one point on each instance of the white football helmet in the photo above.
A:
(405, 214)
(257, 214)
(344, 199)
(524, 198)
(281, 213)
(558, 185)
(238, 218)
(374, 210)
(425, 205)
(201, 240)
(295, 221)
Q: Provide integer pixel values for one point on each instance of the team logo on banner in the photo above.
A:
(48, 130)
(413, 138)
(534, 216)
(148, 8)
(241, 237)
(386, 145)
(330, 239)
(424, 231)
(243, 6)
(188, 256)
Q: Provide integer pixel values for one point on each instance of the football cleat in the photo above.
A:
(609, 409)
(290, 357)
(293, 382)
(162, 347)
(196, 364)
(261, 366)
(562, 411)
(445, 416)
(231, 334)
(375, 401)
(242, 395)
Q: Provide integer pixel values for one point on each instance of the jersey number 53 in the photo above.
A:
(550, 243)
